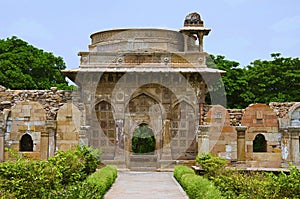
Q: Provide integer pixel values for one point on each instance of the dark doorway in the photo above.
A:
(259, 143)
(26, 143)
(143, 141)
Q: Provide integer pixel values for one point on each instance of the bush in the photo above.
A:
(239, 184)
(94, 187)
(180, 170)
(26, 178)
(75, 165)
(102, 180)
(195, 186)
(210, 164)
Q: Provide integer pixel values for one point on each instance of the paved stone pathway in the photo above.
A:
(145, 185)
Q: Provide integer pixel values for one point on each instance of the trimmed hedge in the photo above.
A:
(94, 187)
(195, 186)
(102, 180)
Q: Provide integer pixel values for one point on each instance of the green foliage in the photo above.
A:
(91, 158)
(75, 165)
(252, 185)
(262, 81)
(274, 81)
(196, 187)
(102, 180)
(143, 140)
(181, 170)
(234, 80)
(210, 164)
(22, 66)
(25, 178)
(94, 187)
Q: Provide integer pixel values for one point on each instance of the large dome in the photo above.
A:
(142, 39)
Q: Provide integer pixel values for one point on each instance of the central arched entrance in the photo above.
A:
(143, 141)
(143, 149)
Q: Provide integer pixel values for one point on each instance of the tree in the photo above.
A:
(277, 80)
(233, 80)
(262, 81)
(22, 66)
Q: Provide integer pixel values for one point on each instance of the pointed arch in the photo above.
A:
(145, 93)
(103, 134)
(184, 100)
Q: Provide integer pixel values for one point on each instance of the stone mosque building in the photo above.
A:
(141, 99)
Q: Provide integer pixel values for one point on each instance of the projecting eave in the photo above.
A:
(72, 73)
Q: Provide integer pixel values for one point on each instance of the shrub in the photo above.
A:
(210, 164)
(25, 178)
(195, 186)
(69, 166)
(75, 165)
(239, 184)
(180, 170)
(91, 158)
(102, 180)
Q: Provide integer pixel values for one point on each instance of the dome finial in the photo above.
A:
(193, 19)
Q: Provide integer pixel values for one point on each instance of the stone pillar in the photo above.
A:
(200, 38)
(119, 152)
(203, 139)
(166, 151)
(51, 129)
(1, 144)
(44, 145)
(83, 140)
(294, 132)
(241, 143)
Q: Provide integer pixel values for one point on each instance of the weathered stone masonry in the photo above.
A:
(54, 123)
(155, 79)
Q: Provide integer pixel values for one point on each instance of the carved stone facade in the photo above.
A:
(139, 86)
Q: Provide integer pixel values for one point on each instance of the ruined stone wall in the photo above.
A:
(235, 115)
(50, 100)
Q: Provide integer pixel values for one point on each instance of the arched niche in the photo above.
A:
(259, 143)
(103, 134)
(26, 143)
(294, 115)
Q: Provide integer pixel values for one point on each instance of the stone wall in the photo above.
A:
(37, 123)
(50, 100)
(54, 120)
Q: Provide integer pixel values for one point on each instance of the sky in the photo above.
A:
(241, 30)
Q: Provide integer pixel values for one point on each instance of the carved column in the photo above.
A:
(203, 139)
(51, 130)
(120, 144)
(1, 144)
(241, 143)
(294, 132)
(44, 145)
(166, 155)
